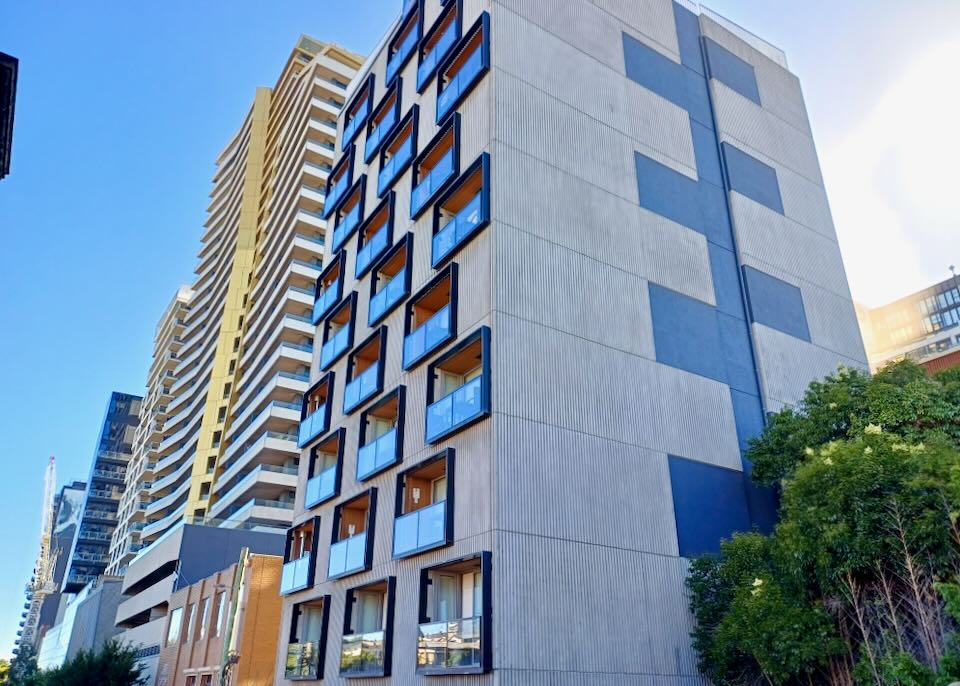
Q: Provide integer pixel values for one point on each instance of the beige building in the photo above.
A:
(229, 619)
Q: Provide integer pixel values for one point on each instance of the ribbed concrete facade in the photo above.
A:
(656, 269)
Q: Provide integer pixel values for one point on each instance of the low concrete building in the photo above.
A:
(85, 622)
(224, 627)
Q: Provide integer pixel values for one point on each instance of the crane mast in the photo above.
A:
(41, 584)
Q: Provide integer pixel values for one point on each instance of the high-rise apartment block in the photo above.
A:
(578, 250)
(923, 327)
(88, 556)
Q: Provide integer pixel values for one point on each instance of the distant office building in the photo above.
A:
(228, 620)
(183, 556)
(86, 623)
(88, 557)
(8, 98)
(578, 249)
(923, 326)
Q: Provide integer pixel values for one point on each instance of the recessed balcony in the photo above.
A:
(329, 289)
(315, 413)
(398, 151)
(384, 119)
(462, 212)
(390, 283)
(351, 549)
(349, 215)
(323, 475)
(365, 371)
(403, 44)
(338, 332)
(365, 650)
(461, 380)
(438, 43)
(464, 68)
(424, 516)
(431, 318)
(381, 435)
(375, 236)
(357, 112)
(435, 167)
(297, 572)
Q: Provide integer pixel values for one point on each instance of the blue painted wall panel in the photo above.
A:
(688, 38)
(748, 413)
(752, 178)
(685, 333)
(726, 281)
(737, 353)
(775, 303)
(709, 503)
(706, 153)
(654, 71)
(732, 71)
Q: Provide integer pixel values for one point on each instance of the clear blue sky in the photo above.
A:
(122, 108)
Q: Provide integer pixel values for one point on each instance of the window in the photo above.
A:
(174, 628)
(338, 181)
(188, 637)
(349, 214)
(390, 282)
(368, 630)
(356, 113)
(221, 613)
(338, 332)
(435, 167)
(398, 151)
(381, 435)
(464, 68)
(351, 547)
(462, 212)
(424, 506)
(191, 681)
(308, 639)
(204, 618)
(431, 317)
(315, 411)
(323, 475)
(384, 119)
(297, 571)
(438, 42)
(375, 236)
(461, 381)
(404, 42)
(454, 632)
(329, 289)
(206, 680)
(365, 371)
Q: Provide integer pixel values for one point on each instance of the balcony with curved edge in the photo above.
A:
(263, 482)
(270, 447)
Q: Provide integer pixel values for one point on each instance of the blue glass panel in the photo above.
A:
(339, 188)
(455, 409)
(428, 337)
(392, 167)
(377, 454)
(312, 426)
(346, 226)
(408, 6)
(348, 555)
(326, 300)
(454, 89)
(433, 58)
(732, 71)
(387, 297)
(295, 574)
(752, 178)
(404, 51)
(776, 303)
(361, 388)
(419, 530)
(375, 137)
(459, 229)
(710, 504)
(358, 120)
(334, 347)
(432, 183)
(371, 250)
(321, 487)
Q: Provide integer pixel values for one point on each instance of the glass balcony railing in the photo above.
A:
(375, 137)
(448, 98)
(408, 6)
(455, 409)
(450, 646)
(391, 168)
(321, 487)
(362, 654)
(312, 426)
(333, 197)
(377, 454)
(404, 50)
(428, 337)
(303, 660)
(459, 229)
(429, 185)
(295, 574)
(428, 65)
(387, 297)
(361, 388)
(326, 300)
(421, 529)
(359, 119)
(335, 347)
(371, 250)
(346, 226)
(348, 556)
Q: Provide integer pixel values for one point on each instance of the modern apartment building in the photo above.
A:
(138, 486)
(9, 66)
(85, 622)
(88, 556)
(578, 250)
(923, 326)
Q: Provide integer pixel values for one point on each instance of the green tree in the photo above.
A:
(4, 671)
(112, 665)
(858, 582)
(23, 667)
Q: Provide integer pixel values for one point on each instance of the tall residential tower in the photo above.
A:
(578, 250)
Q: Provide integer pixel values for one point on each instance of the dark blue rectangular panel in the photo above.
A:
(709, 503)
(707, 154)
(726, 281)
(738, 353)
(685, 333)
(748, 415)
(752, 178)
(732, 71)
(688, 35)
(683, 87)
(775, 303)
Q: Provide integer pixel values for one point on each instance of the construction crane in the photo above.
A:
(41, 584)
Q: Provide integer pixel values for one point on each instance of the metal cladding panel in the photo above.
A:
(593, 222)
(652, 18)
(573, 468)
(532, 54)
(543, 582)
(563, 380)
